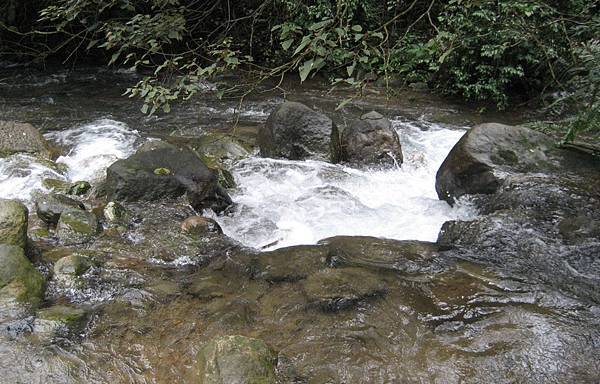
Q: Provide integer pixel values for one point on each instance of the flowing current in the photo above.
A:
(278, 202)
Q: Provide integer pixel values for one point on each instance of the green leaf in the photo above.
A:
(319, 25)
(144, 109)
(305, 69)
(287, 44)
(350, 68)
(305, 41)
(343, 104)
(357, 28)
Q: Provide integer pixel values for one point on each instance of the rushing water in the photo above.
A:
(282, 203)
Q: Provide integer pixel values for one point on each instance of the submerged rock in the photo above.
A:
(486, 155)
(235, 360)
(19, 280)
(22, 138)
(289, 264)
(57, 320)
(50, 207)
(199, 225)
(370, 140)
(338, 288)
(77, 226)
(13, 223)
(296, 132)
(408, 256)
(136, 178)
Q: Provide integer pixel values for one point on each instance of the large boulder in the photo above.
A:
(160, 170)
(49, 207)
(19, 280)
(76, 227)
(486, 155)
(370, 140)
(13, 223)
(296, 132)
(22, 138)
(235, 360)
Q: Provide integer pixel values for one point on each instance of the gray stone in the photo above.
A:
(486, 155)
(76, 227)
(296, 132)
(22, 138)
(50, 207)
(13, 223)
(370, 140)
(160, 170)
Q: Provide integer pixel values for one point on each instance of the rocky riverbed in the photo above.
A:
(377, 244)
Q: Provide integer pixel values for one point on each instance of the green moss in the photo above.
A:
(162, 171)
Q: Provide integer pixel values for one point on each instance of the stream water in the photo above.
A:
(154, 295)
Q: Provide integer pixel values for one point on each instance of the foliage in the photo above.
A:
(494, 52)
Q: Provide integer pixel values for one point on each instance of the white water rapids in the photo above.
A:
(279, 202)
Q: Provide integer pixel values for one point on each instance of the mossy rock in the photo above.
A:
(13, 223)
(71, 266)
(61, 313)
(50, 207)
(56, 185)
(77, 226)
(115, 213)
(18, 278)
(79, 188)
(235, 360)
(290, 263)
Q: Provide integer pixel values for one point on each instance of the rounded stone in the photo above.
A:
(200, 225)
(13, 223)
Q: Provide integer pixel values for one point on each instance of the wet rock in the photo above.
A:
(409, 256)
(79, 188)
(76, 226)
(370, 140)
(19, 280)
(199, 225)
(135, 178)
(289, 264)
(13, 223)
(296, 132)
(486, 155)
(72, 266)
(338, 288)
(22, 138)
(57, 320)
(115, 213)
(50, 207)
(56, 185)
(235, 360)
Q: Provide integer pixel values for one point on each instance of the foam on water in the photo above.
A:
(91, 149)
(22, 174)
(282, 203)
(95, 146)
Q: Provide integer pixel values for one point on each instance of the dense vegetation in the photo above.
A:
(495, 52)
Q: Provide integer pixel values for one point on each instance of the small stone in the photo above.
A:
(199, 225)
(71, 266)
(50, 207)
(13, 223)
(76, 227)
(115, 213)
(55, 320)
(79, 188)
(56, 185)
